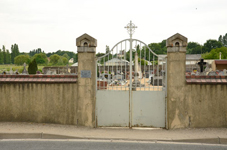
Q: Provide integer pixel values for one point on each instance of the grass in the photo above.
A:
(15, 67)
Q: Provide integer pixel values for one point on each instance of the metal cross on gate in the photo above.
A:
(201, 64)
(131, 28)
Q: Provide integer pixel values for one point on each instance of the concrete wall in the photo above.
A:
(193, 105)
(197, 106)
(39, 102)
(87, 89)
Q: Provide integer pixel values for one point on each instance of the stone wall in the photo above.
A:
(39, 102)
(196, 101)
(198, 106)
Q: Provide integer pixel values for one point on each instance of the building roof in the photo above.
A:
(221, 62)
(188, 56)
(193, 56)
(117, 60)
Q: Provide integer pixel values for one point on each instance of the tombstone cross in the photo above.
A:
(201, 64)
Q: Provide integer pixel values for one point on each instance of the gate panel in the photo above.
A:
(112, 108)
(131, 85)
(148, 108)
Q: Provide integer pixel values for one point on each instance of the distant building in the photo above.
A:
(116, 62)
(191, 59)
(71, 60)
(219, 65)
(76, 64)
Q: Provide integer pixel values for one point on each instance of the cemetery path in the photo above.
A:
(16, 130)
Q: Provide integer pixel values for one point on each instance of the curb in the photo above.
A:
(217, 140)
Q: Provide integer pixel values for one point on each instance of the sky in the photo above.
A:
(55, 24)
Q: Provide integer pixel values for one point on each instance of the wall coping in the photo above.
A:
(38, 78)
(206, 79)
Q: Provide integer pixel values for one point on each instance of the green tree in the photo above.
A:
(4, 54)
(65, 60)
(223, 39)
(54, 59)
(32, 67)
(214, 53)
(41, 58)
(66, 56)
(35, 51)
(62, 61)
(107, 49)
(75, 57)
(194, 48)
(142, 62)
(21, 59)
(8, 60)
(211, 44)
(1, 57)
(14, 52)
(61, 53)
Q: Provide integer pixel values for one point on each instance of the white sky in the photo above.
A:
(55, 24)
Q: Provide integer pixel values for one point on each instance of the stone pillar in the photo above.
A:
(176, 57)
(86, 48)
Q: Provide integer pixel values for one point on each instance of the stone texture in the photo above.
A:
(39, 102)
(87, 86)
(194, 101)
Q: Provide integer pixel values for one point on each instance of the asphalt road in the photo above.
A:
(101, 145)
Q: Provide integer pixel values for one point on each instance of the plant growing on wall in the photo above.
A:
(32, 67)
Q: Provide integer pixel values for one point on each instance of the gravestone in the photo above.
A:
(24, 70)
(201, 64)
(17, 72)
(11, 71)
(49, 72)
(136, 82)
(224, 72)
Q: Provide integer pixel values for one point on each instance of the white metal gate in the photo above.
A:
(131, 85)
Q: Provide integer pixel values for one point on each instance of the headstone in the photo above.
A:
(136, 82)
(67, 69)
(224, 72)
(17, 72)
(54, 72)
(49, 72)
(11, 71)
(201, 64)
(24, 70)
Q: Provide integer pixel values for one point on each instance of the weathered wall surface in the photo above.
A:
(198, 106)
(39, 102)
(87, 86)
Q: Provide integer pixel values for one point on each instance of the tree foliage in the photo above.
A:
(214, 53)
(32, 67)
(14, 52)
(21, 59)
(54, 59)
(211, 44)
(35, 51)
(66, 56)
(8, 59)
(1, 57)
(223, 39)
(58, 60)
(41, 58)
(107, 49)
(194, 48)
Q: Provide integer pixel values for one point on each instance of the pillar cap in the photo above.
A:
(177, 40)
(86, 40)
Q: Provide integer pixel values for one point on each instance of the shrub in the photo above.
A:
(32, 67)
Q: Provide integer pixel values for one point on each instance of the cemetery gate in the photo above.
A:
(131, 86)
